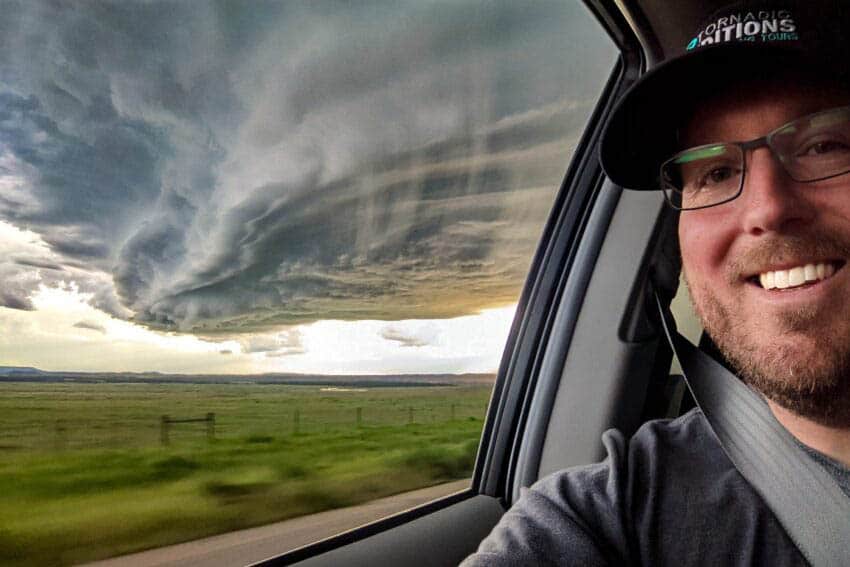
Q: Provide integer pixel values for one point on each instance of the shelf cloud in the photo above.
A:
(247, 172)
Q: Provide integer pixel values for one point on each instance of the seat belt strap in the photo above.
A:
(805, 499)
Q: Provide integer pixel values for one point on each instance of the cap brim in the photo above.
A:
(641, 132)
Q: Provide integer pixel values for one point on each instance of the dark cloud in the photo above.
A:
(13, 299)
(86, 183)
(254, 168)
(36, 263)
(91, 326)
(16, 283)
(22, 273)
(422, 240)
(105, 299)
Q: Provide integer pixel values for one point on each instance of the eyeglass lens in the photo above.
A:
(811, 148)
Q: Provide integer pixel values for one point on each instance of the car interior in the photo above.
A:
(585, 353)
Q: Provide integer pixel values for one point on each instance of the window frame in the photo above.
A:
(551, 280)
(531, 336)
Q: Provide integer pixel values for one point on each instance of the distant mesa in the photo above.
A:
(31, 374)
(18, 370)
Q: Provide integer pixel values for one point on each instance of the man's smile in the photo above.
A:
(796, 284)
(796, 275)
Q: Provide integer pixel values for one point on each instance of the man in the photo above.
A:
(748, 134)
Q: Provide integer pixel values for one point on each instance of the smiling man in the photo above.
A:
(765, 266)
(748, 134)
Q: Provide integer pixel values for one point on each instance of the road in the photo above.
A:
(255, 544)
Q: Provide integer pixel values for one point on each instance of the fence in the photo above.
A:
(129, 431)
(166, 422)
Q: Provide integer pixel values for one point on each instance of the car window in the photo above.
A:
(687, 321)
(260, 260)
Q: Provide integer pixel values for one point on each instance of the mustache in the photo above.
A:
(782, 249)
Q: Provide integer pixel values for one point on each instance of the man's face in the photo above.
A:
(792, 344)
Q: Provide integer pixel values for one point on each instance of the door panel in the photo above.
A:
(438, 539)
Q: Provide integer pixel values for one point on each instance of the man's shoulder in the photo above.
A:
(688, 433)
(594, 512)
(668, 495)
(660, 448)
(684, 447)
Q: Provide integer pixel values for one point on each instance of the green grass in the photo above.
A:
(98, 483)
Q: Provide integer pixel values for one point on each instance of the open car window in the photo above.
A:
(260, 260)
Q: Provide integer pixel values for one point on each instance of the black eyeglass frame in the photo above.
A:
(743, 147)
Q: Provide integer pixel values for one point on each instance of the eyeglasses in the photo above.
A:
(811, 148)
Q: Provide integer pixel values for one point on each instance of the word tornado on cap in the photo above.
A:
(747, 40)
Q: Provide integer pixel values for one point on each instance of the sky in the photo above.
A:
(306, 187)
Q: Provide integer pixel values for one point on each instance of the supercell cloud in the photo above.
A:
(234, 168)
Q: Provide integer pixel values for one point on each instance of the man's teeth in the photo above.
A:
(782, 279)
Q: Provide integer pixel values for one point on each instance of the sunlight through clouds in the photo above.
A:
(472, 343)
(59, 332)
(69, 334)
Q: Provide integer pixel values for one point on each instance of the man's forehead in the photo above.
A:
(752, 108)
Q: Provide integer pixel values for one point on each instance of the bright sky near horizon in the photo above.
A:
(64, 331)
(316, 187)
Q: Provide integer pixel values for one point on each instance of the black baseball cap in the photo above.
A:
(744, 41)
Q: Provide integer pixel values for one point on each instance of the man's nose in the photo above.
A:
(772, 201)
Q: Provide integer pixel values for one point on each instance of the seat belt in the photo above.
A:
(805, 499)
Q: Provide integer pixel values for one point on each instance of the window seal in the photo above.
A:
(331, 543)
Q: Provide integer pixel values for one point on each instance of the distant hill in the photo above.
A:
(14, 370)
(30, 374)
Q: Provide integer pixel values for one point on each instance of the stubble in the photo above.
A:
(807, 368)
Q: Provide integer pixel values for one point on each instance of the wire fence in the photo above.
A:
(195, 425)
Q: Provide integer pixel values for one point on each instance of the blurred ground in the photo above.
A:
(244, 547)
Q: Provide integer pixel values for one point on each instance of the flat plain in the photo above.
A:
(89, 471)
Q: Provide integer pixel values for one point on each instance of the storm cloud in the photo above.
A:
(227, 168)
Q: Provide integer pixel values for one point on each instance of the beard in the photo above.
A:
(807, 369)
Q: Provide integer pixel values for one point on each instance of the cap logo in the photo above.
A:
(757, 26)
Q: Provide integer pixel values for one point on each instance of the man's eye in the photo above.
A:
(716, 176)
(825, 147)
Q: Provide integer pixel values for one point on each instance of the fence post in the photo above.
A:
(453, 411)
(296, 419)
(61, 437)
(359, 417)
(164, 423)
(210, 426)
(410, 415)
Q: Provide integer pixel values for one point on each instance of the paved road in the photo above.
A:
(255, 544)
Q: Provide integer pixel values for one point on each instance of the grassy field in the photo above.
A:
(85, 473)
